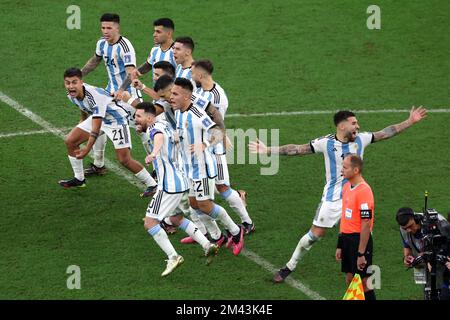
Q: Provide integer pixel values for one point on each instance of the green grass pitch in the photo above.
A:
(270, 56)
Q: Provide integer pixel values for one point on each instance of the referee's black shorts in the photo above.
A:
(349, 246)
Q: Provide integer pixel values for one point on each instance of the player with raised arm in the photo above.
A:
(99, 113)
(334, 147)
(172, 184)
(197, 132)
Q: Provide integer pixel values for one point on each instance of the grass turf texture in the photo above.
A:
(269, 56)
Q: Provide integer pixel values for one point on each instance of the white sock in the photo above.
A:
(303, 246)
(77, 166)
(210, 225)
(219, 213)
(145, 178)
(234, 200)
(194, 232)
(163, 241)
(99, 150)
(196, 220)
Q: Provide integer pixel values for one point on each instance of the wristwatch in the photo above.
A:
(360, 254)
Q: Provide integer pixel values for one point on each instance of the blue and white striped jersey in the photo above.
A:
(117, 57)
(334, 152)
(183, 73)
(157, 54)
(169, 114)
(203, 104)
(170, 172)
(192, 127)
(216, 96)
(98, 103)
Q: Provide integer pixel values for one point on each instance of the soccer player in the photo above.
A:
(334, 147)
(183, 48)
(119, 57)
(355, 245)
(172, 184)
(99, 113)
(160, 68)
(197, 132)
(209, 90)
(162, 51)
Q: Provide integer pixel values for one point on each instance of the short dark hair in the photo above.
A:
(187, 42)
(342, 116)
(404, 215)
(166, 66)
(163, 82)
(73, 72)
(184, 83)
(148, 107)
(110, 17)
(205, 64)
(165, 22)
(355, 161)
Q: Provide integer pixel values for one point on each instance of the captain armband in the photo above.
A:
(94, 135)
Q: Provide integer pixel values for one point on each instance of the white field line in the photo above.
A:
(131, 179)
(312, 112)
(58, 132)
(28, 133)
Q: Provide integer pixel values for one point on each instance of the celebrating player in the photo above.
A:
(334, 147)
(172, 184)
(197, 132)
(99, 113)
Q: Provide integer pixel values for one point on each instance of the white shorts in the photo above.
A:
(223, 176)
(163, 204)
(328, 214)
(202, 189)
(118, 134)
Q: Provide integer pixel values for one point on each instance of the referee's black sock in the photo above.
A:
(370, 295)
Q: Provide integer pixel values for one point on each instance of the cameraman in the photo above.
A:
(413, 247)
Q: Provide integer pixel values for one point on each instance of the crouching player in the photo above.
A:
(99, 114)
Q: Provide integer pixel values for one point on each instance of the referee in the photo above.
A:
(355, 246)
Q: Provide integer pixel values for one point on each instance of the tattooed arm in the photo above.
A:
(415, 115)
(217, 132)
(91, 64)
(289, 149)
(142, 69)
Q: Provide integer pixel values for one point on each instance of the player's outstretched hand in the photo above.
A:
(338, 254)
(257, 147)
(126, 96)
(119, 95)
(137, 84)
(135, 74)
(149, 158)
(415, 115)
